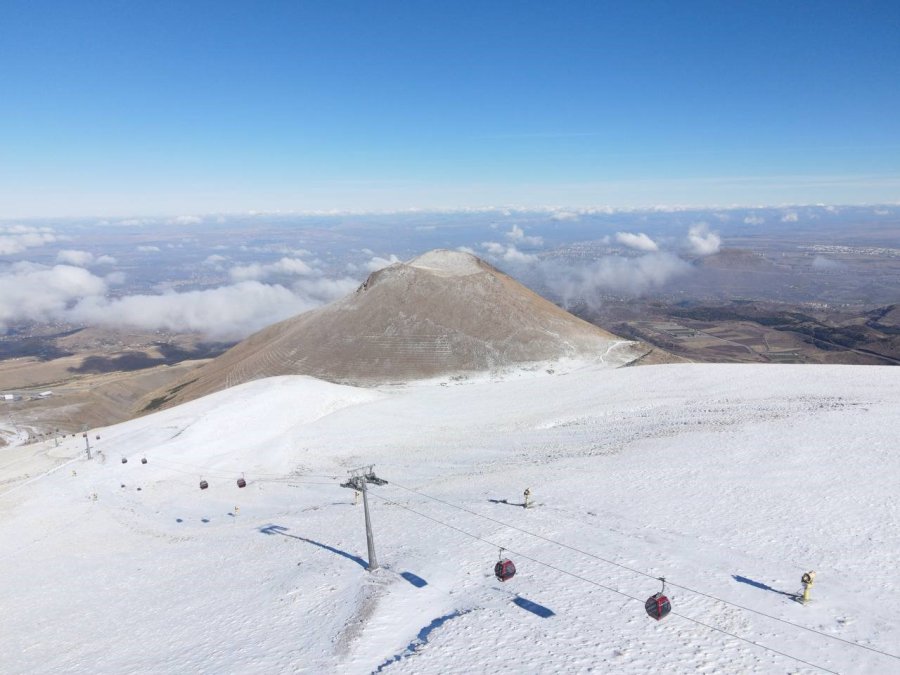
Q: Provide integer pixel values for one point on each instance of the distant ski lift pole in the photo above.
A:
(87, 442)
(357, 481)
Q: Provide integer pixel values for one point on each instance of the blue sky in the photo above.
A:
(119, 108)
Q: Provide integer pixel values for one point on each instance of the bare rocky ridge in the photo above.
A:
(443, 313)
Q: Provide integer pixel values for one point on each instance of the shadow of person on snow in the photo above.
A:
(760, 585)
(507, 502)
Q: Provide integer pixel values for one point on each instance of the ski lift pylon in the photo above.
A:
(658, 605)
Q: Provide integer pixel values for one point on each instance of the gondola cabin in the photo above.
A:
(658, 606)
(203, 485)
(124, 460)
(241, 482)
(143, 460)
(504, 570)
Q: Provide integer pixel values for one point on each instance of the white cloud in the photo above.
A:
(507, 252)
(186, 220)
(31, 292)
(618, 275)
(83, 258)
(215, 260)
(822, 264)
(322, 290)
(754, 220)
(517, 235)
(16, 238)
(703, 242)
(790, 217)
(466, 249)
(77, 258)
(639, 242)
(377, 262)
(565, 215)
(282, 268)
(225, 313)
(148, 249)
(516, 256)
(228, 312)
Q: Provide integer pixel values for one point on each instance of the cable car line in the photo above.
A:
(599, 585)
(202, 469)
(631, 569)
(222, 475)
(283, 478)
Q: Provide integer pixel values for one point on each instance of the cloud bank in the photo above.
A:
(616, 275)
(72, 294)
(31, 292)
(17, 238)
(83, 258)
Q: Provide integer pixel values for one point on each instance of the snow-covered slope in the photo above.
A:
(728, 480)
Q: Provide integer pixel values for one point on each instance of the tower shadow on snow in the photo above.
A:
(280, 529)
(533, 607)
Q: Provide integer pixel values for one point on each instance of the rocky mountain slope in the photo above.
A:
(442, 313)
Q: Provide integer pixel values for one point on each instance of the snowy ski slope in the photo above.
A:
(730, 481)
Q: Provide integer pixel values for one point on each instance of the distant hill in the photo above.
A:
(444, 312)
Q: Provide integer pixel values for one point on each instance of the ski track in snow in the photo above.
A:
(731, 480)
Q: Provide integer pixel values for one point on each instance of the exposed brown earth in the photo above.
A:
(96, 376)
(760, 332)
(443, 313)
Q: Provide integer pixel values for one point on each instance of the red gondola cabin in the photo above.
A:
(504, 570)
(658, 606)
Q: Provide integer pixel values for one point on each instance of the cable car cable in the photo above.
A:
(222, 475)
(631, 569)
(598, 584)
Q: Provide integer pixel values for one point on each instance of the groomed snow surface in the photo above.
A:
(728, 480)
